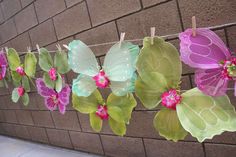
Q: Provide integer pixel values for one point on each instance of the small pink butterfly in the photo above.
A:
(3, 65)
(52, 98)
(213, 60)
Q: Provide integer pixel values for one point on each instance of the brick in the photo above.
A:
(138, 128)
(26, 19)
(42, 118)
(24, 117)
(67, 23)
(35, 99)
(22, 132)
(216, 150)
(1, 16)
(2, 117)
(65, 41)
(70, 3)
(101, 34)
(43, 34)
(10, 116)
(232, 38)
(10, 8)
(26, 2)
(167, 148)
(148, 3)
(7, 30)
(7, 44)
(122, 146)
(68, 121)
(9, 129)
(86, 142)
(38, 134)
(226, 138)
(21, 42)
(48, 8)
(4, 101)
(106, 10)
(9, 104)
(208, 13)
(164, 17)
(59, 138)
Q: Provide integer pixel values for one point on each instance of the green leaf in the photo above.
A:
(13, 59)
(59, 83)
(30, 64)
(25, 99)
(16, 77)
(118, 128)
(125, 103)
(205, 116)
(25, 83)
(150, 88)
(166, 122)
(95, 122)
(116, 113)
(45, 60)
(87, 104)
(161, 57)
(15, 96)
(48, 82)
(61, 62)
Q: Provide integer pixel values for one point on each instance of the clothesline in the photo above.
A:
(166, 37)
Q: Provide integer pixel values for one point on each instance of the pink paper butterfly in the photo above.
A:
(53, 99)
(214, 62)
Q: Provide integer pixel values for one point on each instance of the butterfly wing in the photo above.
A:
(3, 59)
(64, 95)
(211, 82)
(119, 63)
(121, 88)
(83, 85)
(206, 50)
(81, 59)
(42, 89)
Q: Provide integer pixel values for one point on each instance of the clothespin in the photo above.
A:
(59, 47)
(194, 26)
(6, 49)
(28, 49)
(153, 29)
(122, 38)
(38, 49)
(67, 47)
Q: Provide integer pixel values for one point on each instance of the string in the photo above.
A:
(166, 37)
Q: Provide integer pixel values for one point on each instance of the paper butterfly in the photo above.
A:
(53, 99)
(3, 65)
(159, 68)
(214, 62)
(118, 71)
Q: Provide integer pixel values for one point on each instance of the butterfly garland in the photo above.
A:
(215, 64)
(118, 71)
(21, 74)
(159, 68)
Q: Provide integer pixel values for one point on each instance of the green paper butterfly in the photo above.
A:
(21, 74)
(117, 110)
(53, 70)
(203, 116)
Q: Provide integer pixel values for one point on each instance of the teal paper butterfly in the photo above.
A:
(118, 71)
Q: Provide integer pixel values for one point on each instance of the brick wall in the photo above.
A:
(47, 22)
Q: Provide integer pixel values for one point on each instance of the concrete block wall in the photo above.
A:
(48, 22)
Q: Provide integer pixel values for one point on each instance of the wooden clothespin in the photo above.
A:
(122, 38)
(28, 49)
(38, 49)
(59, 47)
(153, 30)
(6, 49)
(194, 26)
(67, 47)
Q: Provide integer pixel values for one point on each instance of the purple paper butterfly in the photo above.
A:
(214, 62)
(53, 99)
(3, 65)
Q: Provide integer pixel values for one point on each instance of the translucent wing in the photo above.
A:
(81, 59)
(43, 90)
(205, 116)
(83, 85)
(3, 59)
(204, 51)
(121, 88)
(119, 63)
(50, 104)
(64, 95)
(211, 82)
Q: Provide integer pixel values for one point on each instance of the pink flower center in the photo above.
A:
(53, 74)
(102, 112)
(101, 80)
(21, 91)
(20, 71)
(170, 99)
(229, 68)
